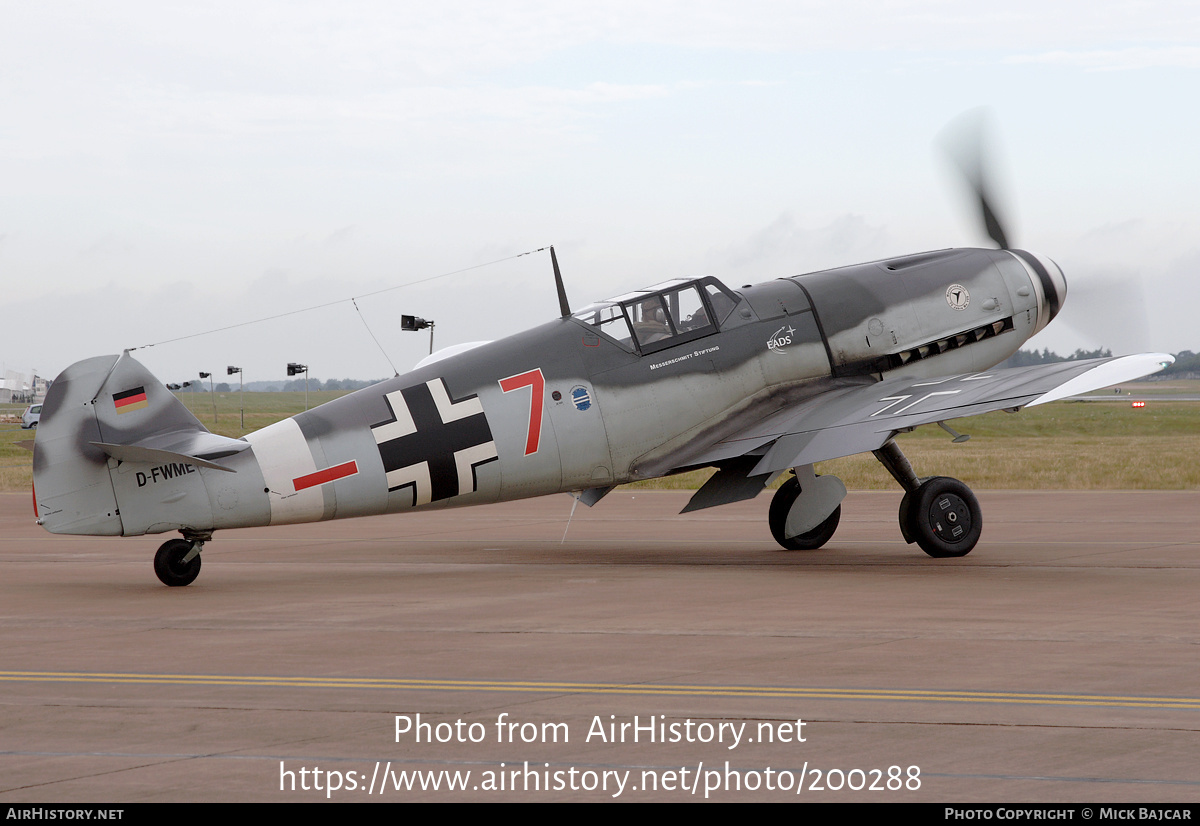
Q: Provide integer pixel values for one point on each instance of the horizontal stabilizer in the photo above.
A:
(196, 447)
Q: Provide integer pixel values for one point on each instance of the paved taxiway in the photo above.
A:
(1058, 662)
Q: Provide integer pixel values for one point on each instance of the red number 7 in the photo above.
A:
(533, 380)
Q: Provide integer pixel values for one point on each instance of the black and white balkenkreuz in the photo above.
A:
(433, 443)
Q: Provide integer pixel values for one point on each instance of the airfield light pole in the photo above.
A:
(185, 385)
(229, 371)
(413, 323)
(293, 369)
(211, 393)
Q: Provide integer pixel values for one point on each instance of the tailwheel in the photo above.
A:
(172, 565)
(942, 516)
(781, 505)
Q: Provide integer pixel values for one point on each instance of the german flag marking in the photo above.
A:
(127, 400)
(321, 477)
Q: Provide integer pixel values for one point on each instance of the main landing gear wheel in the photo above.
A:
(782, 502)
(943, 517)
(169, 564)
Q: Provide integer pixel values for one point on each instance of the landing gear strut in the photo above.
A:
(940, 514)
(177, 561)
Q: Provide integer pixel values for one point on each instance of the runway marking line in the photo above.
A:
(915, 695)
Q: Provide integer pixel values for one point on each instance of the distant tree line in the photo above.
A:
(329, 384)
(1186, 363)
(1027, 358)
(294, 385)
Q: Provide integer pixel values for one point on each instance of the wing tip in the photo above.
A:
(1106, 374)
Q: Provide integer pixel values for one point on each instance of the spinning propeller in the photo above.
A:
(1109, 310)
(963, 142)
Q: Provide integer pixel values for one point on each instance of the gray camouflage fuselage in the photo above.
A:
(561, 407)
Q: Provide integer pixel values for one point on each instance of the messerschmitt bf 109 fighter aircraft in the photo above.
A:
(757, 382)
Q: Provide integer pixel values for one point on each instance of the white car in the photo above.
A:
(31, 416)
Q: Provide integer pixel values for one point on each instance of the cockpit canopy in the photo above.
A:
(670, 313)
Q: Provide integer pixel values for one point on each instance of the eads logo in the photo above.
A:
(777, 342)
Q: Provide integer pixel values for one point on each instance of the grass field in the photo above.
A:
(1059, 446)
(1174, 387)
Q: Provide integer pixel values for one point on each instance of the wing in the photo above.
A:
(863, 418)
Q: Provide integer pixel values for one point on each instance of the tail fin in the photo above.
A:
(70, 475)
(99, 412)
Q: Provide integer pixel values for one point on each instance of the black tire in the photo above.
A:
(782, 502)
(906, 518)
(944, 517)
(170, 567)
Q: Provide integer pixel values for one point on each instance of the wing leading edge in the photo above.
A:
(861, 419)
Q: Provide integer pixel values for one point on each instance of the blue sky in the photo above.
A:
(173, 168)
